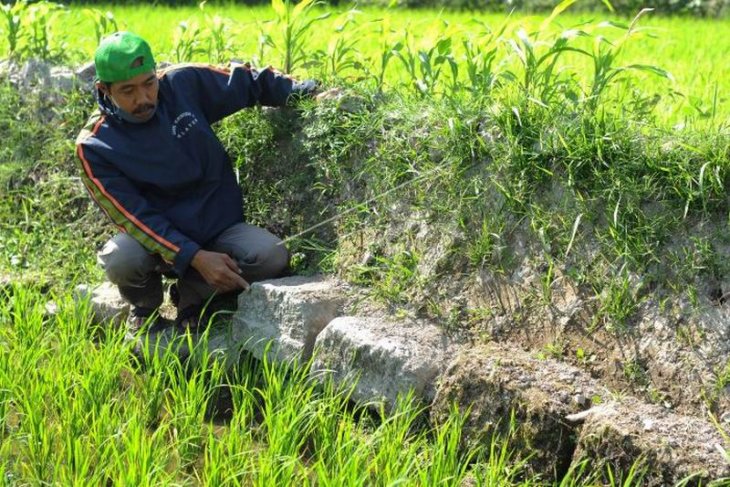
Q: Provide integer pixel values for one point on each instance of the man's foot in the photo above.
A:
(193, 319)
(174, 294)
(150, 323)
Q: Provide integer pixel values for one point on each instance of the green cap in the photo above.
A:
(122, 56)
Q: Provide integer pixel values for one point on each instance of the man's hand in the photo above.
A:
(331, 94)
(219, 270)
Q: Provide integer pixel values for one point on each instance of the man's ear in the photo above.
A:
(103, 87)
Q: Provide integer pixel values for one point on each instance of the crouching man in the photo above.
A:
(152, 163)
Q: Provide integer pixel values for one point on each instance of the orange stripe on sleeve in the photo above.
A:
(129, 216)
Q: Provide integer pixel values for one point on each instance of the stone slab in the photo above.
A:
(496, 383)
(383, 357)
(282, 317)
(107, 305)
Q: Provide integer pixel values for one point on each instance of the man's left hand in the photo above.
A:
(331, 94)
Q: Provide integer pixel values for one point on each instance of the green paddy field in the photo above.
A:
(693, 51)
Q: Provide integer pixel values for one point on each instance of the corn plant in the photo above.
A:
(12, 14)
(217, 33)
(604, 56)
(424, 66)
(341, 50)
(187, 41)
(386, 52)
(40, 18)
(479, 59)
(264, 43)
(431, 63)
(296, 22)
(220, 45)
(104, 22)
(28, 29)
(541, 79)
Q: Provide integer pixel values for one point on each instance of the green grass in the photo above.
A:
(76, 407)
(43, 203)
(525, 140)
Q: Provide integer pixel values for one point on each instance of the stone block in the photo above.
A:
(384, 357)
(286, 315)
(107, 305)
(495, 383)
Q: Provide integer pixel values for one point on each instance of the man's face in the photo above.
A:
(136, 96)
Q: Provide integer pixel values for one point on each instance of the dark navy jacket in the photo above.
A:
(168, 182)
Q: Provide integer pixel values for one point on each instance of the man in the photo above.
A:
(152, 163)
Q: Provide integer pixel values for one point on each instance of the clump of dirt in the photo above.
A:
(555, 417)
(492, 383)
(670, 447)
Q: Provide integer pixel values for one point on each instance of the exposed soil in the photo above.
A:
(542, 406)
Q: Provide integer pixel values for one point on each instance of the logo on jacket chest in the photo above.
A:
(183, 123)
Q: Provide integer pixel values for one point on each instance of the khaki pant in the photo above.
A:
(259, 254)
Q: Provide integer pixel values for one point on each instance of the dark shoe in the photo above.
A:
(193, 319)
(224, 302)
(174, 294)
(150, 323)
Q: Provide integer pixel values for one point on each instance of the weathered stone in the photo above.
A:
(63, 79)
(107, 305)
(385, 358)
(34, 72)
(672, 446)
(86, 73)
(286, 313)
(494, 382)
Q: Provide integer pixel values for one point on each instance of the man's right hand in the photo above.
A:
(219, 270)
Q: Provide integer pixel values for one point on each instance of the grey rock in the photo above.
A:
(63, 79)
(282, 317)
(382, 358)
(107, 305)
(33, 73)
(86, 73)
